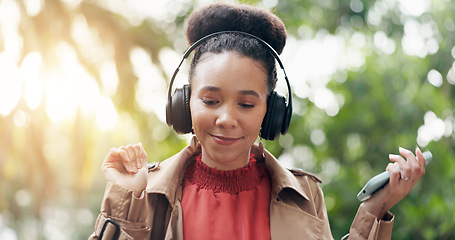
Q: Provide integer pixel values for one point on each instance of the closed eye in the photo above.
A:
(209, 102)
(246, 106)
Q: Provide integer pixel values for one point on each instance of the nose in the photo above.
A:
(227, 117)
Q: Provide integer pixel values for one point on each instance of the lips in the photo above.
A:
(224, 140)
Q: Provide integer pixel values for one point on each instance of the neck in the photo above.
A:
(225, 163)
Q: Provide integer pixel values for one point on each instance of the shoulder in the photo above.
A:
(309, 184)
(153, 166)
(282, 173)
(299, 173)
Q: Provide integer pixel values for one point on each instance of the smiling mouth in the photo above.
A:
(224, 140)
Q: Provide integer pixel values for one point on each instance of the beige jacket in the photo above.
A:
(297, 208)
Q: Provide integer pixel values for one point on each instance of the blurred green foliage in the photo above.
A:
(50, 183)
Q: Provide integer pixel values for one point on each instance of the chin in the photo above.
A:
(226, 153)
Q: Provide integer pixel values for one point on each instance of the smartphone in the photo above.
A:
(380, 180)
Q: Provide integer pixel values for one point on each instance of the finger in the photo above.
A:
(130, 150)
(125, 149)
(110, 159)
(111, 156)
(143, 155)
(420, 158)
(137, 155)
(133, 155)
(116, 159)
(413, 163)
(120, 155)
(409, 156)
(403, 164)
(394, 175)
(130, 164)
(421, 161)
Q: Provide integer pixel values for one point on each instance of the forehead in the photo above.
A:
(229, 70)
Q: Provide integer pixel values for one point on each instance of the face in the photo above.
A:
(228, 103)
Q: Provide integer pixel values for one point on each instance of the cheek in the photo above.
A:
(199, 115)
(254, 122)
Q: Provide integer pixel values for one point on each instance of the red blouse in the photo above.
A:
(226, 204)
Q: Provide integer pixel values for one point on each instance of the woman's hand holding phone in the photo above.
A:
(405, 171)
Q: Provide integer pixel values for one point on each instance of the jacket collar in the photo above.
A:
(168, 176)
(281, 177)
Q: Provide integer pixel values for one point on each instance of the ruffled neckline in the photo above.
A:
(220, 181)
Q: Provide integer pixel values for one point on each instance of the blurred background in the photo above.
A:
(80, 77)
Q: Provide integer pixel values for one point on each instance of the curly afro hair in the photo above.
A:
(228, 17)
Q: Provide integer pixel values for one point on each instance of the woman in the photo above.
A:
(223, 186)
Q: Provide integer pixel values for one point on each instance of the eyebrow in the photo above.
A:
(249, 92)
(211, 89)
(242, 92)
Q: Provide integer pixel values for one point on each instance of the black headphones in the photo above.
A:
(276, 119)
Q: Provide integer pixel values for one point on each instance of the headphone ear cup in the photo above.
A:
(180, 111)
(272, 124)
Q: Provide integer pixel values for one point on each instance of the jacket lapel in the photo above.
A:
(293, 207)
(168, 176)
(281, 177)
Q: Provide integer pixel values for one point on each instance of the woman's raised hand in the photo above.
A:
(400, 184)
(127, 166)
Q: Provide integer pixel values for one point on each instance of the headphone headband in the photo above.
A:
(288, 108)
